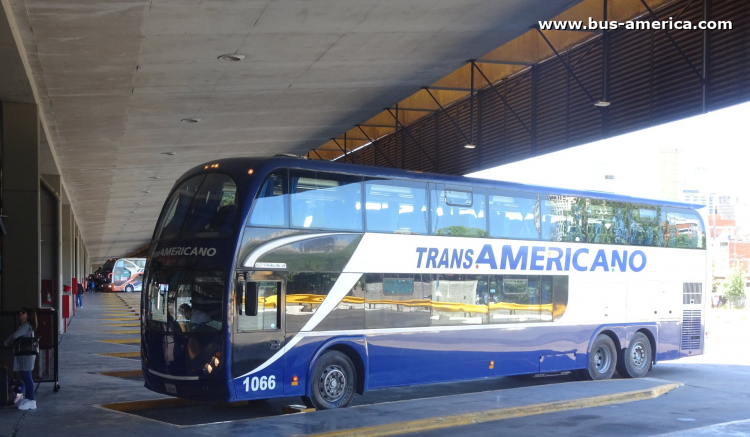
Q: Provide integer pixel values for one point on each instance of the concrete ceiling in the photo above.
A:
(114, 78)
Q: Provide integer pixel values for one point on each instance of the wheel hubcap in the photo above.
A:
(602, 359)
(638, 355)
(332, 383)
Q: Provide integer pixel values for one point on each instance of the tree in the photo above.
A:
(734, 287)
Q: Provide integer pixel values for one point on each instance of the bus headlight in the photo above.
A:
(215, 361)
(207, 369)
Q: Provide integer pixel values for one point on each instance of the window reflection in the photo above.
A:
(518, 298)
(396, 301)
(458, 299)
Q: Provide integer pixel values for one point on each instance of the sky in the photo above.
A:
(715, 146)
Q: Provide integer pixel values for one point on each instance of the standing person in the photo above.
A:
(24, 364)
(79, 296)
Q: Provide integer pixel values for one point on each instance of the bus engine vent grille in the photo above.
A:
(691, 330)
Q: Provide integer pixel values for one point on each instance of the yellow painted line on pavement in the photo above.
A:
(123, 373)
(119, 315)
(122, 354)
(129, 319)
(474, 417)
(122, 325)
(124, 331)
(123, 340)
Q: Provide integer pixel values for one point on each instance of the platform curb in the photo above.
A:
(502, 413)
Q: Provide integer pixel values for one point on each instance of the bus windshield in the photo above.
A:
(185, 301)
(201, 207)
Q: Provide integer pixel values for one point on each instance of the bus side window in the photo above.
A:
(262, 316)
(683, 228)
(606, 222)
(396, 206)
(645, 228)
(271, 203)
(325, 201)
(518, 299)
(458, 300)
(458, 211)
(561, 218)
(512, 215)
(395, 300)
(305, 291)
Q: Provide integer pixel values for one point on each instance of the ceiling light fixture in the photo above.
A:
(232, 58)
(470, 146)
(190, 120)
(601, 103)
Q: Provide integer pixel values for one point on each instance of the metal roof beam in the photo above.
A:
(480, 61)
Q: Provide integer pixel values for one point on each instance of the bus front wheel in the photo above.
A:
(602, 360)
(635, 361)
(332, 383)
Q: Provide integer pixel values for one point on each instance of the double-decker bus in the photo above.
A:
(126, 275)
(290, 277)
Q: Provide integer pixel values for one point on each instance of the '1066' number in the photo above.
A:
(262, 383)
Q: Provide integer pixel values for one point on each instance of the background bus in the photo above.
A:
(126, 275)
(288, 277)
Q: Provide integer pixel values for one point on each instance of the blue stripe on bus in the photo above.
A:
(418, 357)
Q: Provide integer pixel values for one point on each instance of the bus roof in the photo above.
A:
(238, 167)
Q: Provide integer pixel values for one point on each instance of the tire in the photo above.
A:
(602, 360)
(129, 288)
(332, 383)
(635, 361)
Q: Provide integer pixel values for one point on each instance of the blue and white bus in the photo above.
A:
(290, 277)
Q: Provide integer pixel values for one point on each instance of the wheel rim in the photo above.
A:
(638, 355)
(332, 383)
(602, 359)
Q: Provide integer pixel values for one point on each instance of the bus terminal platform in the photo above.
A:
(102, 393)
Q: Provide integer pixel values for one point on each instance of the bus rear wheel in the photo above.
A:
(129, 288)
(332, 383)
(635, 361)
(602, 360)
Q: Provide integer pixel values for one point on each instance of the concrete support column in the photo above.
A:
(21, 246)
(67, 240)
(52, 243)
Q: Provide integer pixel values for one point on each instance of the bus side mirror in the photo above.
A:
(251, 299)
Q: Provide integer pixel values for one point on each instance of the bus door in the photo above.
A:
(257, 333)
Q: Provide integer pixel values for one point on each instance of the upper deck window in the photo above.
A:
(513, 215)
(325, 201)
(396, 206)
(683, 228)
(213, 211)
(170, 223)
(458, 212)
(270, 207)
